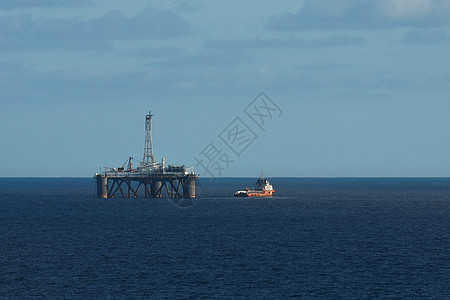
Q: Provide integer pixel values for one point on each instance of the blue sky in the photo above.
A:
(363, 86)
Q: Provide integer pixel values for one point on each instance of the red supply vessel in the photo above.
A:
(262, 189)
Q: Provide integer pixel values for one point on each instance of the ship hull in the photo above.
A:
(255, 194)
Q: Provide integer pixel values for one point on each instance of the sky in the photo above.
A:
(313, 88)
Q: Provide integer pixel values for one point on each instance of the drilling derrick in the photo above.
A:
(149, 159)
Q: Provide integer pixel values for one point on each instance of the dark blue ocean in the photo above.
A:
(318, 238)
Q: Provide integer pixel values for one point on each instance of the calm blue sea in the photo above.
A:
(318, 238)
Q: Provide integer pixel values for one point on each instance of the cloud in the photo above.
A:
(189, 73)
(322, 65)
(330, 41)
(14, 79)
(148, 51)
(363, 14)
(149, 23)
(13, 4)
(24, 44)
(188, 6)
(27, 33)
(208, 59)
(89, 75)
(11, 71)
(425, 37)
(205, 72)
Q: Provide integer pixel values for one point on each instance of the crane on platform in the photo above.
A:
(128, 164)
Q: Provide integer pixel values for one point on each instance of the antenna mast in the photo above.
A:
(148, 148)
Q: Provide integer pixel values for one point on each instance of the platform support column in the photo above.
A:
(102, 186)
(189, 187)
(156, 189)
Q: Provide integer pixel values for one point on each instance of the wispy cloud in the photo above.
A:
(27, 33)
(190, 73)
(425, 37)
(322, 65)
(209, 59)
(12, 71)
(149, 51)
(364, 14)
(329, 41)
(188, 6)
(13, 4)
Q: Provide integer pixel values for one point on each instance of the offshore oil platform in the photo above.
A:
(149, 179)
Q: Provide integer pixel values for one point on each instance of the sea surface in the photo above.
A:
(347, 238)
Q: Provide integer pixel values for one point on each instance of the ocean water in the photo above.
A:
(318, 238)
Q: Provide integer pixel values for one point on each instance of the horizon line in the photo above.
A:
(236, 177)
